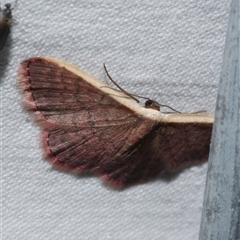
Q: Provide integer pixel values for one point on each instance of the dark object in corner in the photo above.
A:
(5, 23)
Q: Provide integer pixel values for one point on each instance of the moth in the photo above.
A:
(89, 126)
(5, 23)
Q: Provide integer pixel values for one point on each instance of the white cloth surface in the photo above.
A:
(166, 50)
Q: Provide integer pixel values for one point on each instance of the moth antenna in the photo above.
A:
(148, 104)
(128, 94)
(171, 108)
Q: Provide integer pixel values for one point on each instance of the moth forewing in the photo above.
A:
(117, 95)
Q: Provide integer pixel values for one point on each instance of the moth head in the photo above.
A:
(152, 104)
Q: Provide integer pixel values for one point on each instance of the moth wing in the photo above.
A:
(83, 127)
(184, 143)
(167, 147)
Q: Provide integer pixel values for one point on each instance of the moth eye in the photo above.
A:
(152, 104)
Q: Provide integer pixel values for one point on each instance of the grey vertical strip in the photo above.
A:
(221, 209)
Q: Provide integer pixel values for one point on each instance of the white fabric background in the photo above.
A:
(167, 50)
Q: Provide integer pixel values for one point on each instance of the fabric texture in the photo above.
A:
(166, 50)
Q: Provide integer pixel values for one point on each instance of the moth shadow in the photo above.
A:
(89, 174)
(84, 175)
(166, 177)
(169, 177)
